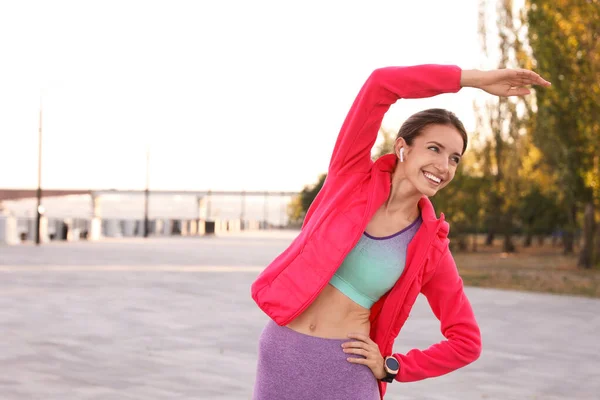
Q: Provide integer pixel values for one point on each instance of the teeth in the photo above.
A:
(432, 177)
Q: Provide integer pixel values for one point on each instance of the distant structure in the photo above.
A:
(19, 194)
(95, 227)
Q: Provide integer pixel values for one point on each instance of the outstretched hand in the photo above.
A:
(503, 82)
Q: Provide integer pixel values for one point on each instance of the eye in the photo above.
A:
(434, 148)
(455, 159)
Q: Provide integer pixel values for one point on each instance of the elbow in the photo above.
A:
(468, 348)
(378, 75)
(466, 355)
(474, 354)
(472, 349)
(477, 346)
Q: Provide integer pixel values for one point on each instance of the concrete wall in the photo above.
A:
(96, 228)
(8, 230)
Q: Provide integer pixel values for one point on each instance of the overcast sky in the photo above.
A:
(229, 95)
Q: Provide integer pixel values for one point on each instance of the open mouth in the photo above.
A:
(433, 179)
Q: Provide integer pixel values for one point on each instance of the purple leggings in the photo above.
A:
(294, 366)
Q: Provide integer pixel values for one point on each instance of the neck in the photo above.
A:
(404, 197)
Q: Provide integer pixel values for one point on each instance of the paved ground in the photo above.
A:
(173, 319)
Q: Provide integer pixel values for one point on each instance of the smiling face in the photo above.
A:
(431, 160)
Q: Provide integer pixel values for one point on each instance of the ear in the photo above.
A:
(399, 143)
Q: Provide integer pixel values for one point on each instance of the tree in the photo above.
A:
(539, 209)
(462, 203)
(386, 145)
(505, 120)
(565, 39)
(300, 204)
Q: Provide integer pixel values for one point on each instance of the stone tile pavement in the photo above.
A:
(173, 319)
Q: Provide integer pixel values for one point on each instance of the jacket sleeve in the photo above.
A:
(352, 151)
(444, 292)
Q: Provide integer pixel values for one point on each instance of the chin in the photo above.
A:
(424, 190)
(429, 191)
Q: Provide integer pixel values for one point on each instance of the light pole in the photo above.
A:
(39, 188)
(147, 192)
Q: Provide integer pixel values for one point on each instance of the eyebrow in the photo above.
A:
(443, 147)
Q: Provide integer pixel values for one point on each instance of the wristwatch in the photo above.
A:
(392, 367)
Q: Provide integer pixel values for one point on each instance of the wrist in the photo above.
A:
(381, 373)
(470, 77)
(391, 368)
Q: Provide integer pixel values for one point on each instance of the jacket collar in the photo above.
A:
(387, 164)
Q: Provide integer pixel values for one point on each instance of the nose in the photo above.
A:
(442, 165)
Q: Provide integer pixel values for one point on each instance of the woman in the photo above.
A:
(370, 243)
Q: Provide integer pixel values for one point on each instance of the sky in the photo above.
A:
(226, 95)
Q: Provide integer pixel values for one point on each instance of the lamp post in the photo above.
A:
(39, 187)
(147, 193)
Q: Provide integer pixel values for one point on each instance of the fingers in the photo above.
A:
(363, 361)
(522, 79)
(527, 77)
(366, 350)
(354, 344)
(362, 356)
(375, 364)
(360, 352)
(360, 348)
(518, 91)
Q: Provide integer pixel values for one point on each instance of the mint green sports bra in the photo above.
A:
(374, 265)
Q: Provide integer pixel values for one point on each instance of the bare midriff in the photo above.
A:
(332, 315)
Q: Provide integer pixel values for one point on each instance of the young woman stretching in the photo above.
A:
(370, 243)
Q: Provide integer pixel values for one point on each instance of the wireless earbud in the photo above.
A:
(402, 154)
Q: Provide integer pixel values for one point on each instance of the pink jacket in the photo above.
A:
(354, 189)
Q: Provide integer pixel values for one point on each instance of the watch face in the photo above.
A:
(392, 364)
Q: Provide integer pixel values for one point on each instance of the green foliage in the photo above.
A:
(462, 202)
(565, 40)
(540, 205)
(539, 213)
(539, 161)
(504, 122)
(386, 145)
(300, 204)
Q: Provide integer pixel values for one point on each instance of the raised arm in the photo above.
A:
(352, 152)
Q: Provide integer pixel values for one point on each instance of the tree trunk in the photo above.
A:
(489, 239)
(508, 246)
(528, 239)
(586, 253)
(540, 240)
(597, 256)
(462, 243)
(569, 232)
(568, 242)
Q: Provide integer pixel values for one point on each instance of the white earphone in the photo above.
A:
(402, 154)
